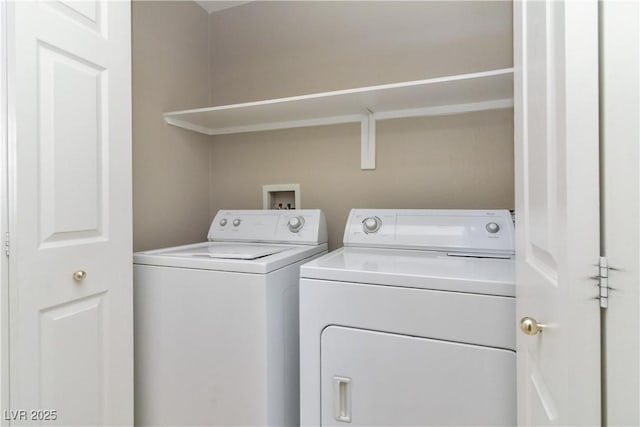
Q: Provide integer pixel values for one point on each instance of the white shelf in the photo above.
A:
(437, 96)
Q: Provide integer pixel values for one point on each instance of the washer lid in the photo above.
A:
(235, 257)
(228, 251)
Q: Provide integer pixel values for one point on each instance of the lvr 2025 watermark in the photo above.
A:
(30, 415)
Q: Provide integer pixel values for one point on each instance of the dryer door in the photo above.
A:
(376, 378)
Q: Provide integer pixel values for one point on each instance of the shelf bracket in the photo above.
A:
(368, 142)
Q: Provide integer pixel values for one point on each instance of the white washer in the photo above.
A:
(411, 322)
(216, 323)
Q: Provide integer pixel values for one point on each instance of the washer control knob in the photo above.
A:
(371, 224)
(492, 227)
(295, 223)
(236, 222)
(223, 222)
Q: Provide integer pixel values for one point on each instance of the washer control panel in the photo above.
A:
(304, 226)
(459, 231)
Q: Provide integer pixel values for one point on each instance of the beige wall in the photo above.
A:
(170, 166)
(269, 49)
(458, 161)
(273, 49)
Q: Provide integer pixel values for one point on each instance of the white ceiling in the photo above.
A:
(216, 5)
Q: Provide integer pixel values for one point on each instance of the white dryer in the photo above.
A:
(216, 323)
(411, 322)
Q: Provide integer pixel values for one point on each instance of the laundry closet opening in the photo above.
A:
(185, 58)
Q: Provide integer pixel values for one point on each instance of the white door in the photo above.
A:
(71, 339)
(557, 210)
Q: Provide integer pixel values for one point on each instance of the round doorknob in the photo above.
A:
(79, 275)
(530, 326)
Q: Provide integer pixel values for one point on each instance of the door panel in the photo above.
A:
(84, 12)
(91, 14)
(71, 341)
(541, 184)
(71, 102)
(557, 210)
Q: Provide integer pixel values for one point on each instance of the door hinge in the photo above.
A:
(603, 278)
(6, 243)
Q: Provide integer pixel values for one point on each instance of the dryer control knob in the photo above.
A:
(295, 223)
(492, 227)
(371, 224)
(223, 222)
(236, 222)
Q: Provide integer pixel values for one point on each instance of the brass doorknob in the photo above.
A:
(530, 326)
(79, 275)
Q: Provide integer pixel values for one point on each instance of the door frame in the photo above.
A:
(4, 211)
(620, 207)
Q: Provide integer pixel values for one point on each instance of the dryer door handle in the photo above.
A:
(342, 399)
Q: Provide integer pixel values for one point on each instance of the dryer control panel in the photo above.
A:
(456, 231)
(301, 226)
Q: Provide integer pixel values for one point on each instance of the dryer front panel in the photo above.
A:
(375, 378)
